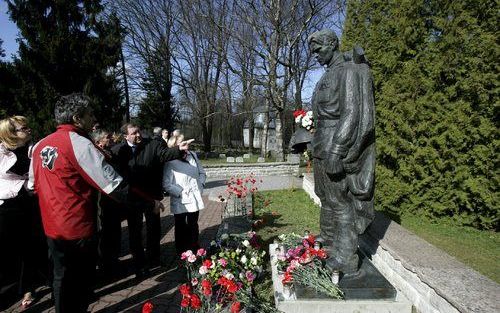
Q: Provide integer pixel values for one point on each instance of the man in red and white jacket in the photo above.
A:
(65, 170)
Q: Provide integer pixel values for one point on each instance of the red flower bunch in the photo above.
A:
(206, 287)
(298, 113)
(241, 187)
(230, 285)
(189, 299)
(287, 278)
(305, 251)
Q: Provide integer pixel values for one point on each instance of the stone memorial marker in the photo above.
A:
(246, 156)
(239, 160)
(261, 160)
(293, 158)
(222, 156)
(230, 160)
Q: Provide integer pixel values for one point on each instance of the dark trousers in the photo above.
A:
(186, 232)
(110, 233)
(337, 219)
(153, 235)
(74, 273)
(23, 241)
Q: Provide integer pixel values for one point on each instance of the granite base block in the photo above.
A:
(369, 293)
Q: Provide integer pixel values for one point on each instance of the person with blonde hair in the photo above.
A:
(184, 180)
(21, 236)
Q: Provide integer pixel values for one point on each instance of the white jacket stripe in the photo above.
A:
(87, 156)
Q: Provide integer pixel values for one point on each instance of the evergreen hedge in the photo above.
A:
(435, 65)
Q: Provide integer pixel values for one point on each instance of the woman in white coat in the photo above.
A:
(184, 181)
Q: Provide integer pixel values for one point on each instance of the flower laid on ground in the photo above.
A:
(222, 276)
(147, 307)
(302, 260)
(304, 119)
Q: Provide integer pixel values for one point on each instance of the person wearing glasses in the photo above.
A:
(21, 236)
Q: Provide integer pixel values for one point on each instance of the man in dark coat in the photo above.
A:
(343, 149)
(140, 161)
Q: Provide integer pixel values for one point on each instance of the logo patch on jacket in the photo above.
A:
(48, 156)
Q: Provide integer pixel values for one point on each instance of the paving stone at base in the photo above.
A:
(321, 305)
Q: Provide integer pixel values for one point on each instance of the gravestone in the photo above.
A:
(222, 156)
(239, 160)
(261, 160)
(230, 160)
(293, 158)
(246, 156)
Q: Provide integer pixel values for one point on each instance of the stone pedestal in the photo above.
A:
(368, 293)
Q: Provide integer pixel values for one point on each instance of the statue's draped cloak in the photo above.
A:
(343, 106)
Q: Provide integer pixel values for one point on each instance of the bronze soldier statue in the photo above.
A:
(343, 149)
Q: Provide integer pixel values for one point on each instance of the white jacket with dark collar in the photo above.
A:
(10, 183)
(184, 181)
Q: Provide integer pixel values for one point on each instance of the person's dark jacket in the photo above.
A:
(144, 169)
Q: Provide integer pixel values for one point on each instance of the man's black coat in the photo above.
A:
(144, 169)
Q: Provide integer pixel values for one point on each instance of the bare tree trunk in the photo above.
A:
(125, 87)
(251, 130)
(265, 132)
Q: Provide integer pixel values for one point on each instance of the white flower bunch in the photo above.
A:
(304, 119)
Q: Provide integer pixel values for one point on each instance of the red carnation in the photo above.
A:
(147, 307)
(235, 307)
(185, 302)
(195, 301)
(321, 254)
(287, 278)
(185, 289)
(206, 284)
(232, 287)
(207, 263)
(207, 287)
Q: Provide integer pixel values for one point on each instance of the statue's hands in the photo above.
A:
(334, 165)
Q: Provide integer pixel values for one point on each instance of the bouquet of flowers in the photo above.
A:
(223, 276)
(301, 259)
(304, 119)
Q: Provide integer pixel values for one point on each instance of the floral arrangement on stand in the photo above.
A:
(238, 189)
(304, 119)
(300, 260)
(222, 277)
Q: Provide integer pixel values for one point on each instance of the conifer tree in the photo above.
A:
(65, 47)
(435, 66)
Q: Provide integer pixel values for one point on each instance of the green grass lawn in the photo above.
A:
(477, 249)
(293, 211)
